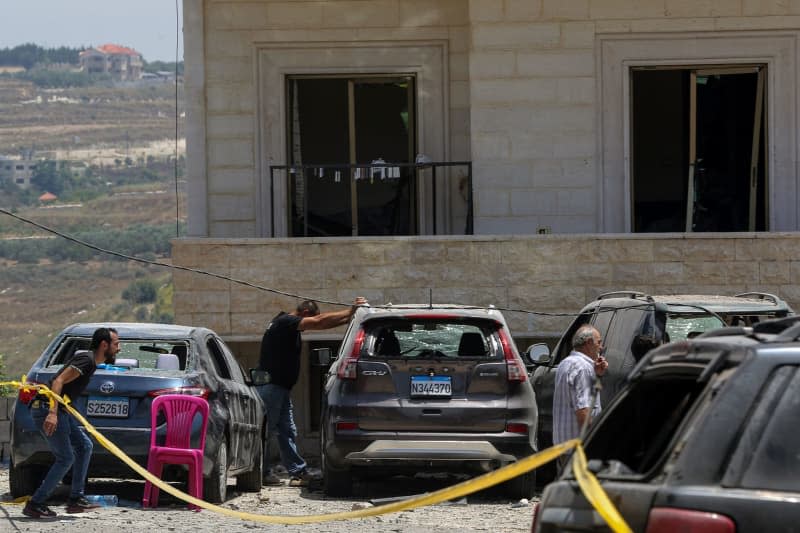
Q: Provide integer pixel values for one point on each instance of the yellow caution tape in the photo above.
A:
(589, 484)
(595, 494)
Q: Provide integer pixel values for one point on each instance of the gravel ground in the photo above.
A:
(473, 513)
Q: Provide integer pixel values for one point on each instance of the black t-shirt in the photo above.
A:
(280, 350)
(83, 362)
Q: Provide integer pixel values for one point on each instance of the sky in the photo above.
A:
(147, 26)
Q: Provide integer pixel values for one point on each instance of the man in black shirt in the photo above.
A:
(65, 437)
(280, 357)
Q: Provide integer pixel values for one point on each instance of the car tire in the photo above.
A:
(215, 486)
(251, 481)
(24, 480)
(335, 482)
(522, 486)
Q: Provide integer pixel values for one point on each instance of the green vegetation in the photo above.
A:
(5, 390)
(141, 291)
(28, 55)
(140, 240)
(50, 79)
(48, 282)
(37, 61)
(81, 184)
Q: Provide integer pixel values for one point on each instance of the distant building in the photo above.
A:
(122, 63)
(18, 170)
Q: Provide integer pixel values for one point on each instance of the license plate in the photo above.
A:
(436, 386)
(107, 407)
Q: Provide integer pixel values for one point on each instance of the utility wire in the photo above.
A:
(158, 263)
(643, 305)
(239, 281)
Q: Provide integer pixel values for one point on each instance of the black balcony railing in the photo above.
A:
(365, 199)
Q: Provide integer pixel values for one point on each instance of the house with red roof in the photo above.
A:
(121, 62)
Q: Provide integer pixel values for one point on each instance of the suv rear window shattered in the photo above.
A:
(426, 338)
(633, 439)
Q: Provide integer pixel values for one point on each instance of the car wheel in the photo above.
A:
(24, 480)
(215, 486)
(335, 482)
(522, 486)
(251, 481)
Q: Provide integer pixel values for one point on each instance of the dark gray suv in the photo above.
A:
(702, 437)
(426, 387)
(631, 323)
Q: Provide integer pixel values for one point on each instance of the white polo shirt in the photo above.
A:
(573, 390)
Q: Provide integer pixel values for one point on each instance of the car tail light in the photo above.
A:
(349, 367)
(25, 396)
(189, 391)
(346, 426)
(512, 427)
(516, 370)
(669, 519)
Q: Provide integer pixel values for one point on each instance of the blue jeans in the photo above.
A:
(71, 447)
(280, 423)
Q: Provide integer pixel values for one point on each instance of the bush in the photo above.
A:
(6, 390)
(141, 291)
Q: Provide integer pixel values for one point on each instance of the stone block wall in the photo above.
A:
(550, 274)
(547, 274)
(228, 102)
(537, 105)
(523, 94)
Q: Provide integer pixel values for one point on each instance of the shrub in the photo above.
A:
(141, 291)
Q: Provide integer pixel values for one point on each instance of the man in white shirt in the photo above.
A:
(573, 400)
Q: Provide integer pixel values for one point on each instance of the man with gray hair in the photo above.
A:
(573, 401)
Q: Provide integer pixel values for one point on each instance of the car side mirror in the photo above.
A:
(321, 356)
(537, 354)
(259, 377)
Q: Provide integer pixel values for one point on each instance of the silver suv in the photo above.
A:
(439, 388)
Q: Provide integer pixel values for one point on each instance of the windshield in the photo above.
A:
(685, 326)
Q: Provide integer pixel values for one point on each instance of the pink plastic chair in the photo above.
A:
(180, 411)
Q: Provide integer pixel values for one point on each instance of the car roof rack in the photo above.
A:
(759, 296)
(625, 294)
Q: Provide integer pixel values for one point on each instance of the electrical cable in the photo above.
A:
(643, 305)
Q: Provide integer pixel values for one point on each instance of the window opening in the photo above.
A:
(345, 120)
(698, 145)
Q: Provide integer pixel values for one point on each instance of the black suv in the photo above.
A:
(426, 388)
(702, 437)
(631, 323)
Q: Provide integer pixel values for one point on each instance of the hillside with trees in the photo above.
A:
(109, 154)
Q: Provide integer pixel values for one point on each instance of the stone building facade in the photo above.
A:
(654, 144)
